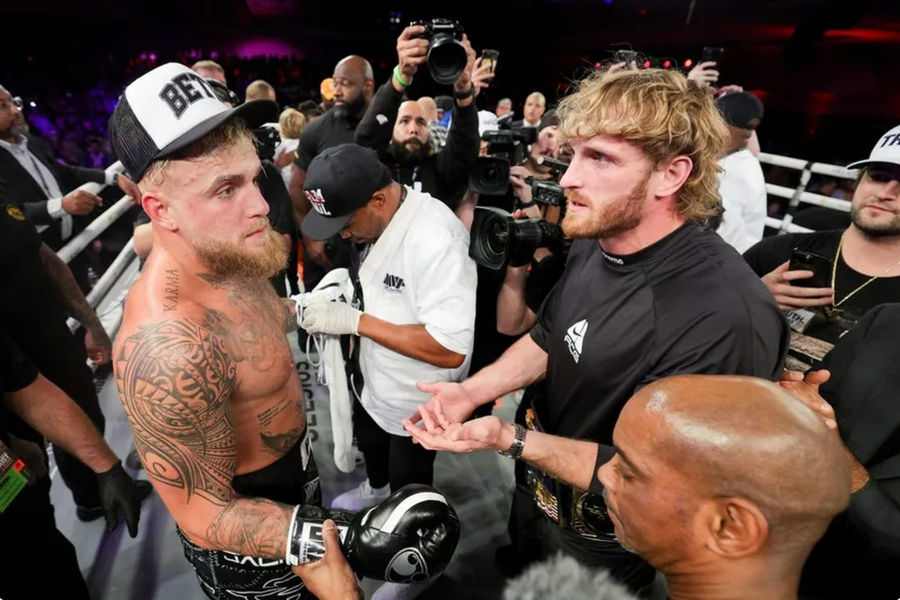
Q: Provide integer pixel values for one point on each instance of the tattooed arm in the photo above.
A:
(175, 379)
(96, 339)
(73, 299)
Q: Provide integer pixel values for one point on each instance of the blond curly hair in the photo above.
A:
(664, 114)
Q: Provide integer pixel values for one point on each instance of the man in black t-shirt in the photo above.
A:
(648, 292)
(864, 258)
(27, 528)
(354, 84)
(37, 293)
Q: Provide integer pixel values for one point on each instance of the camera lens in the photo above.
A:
(490, 176)
(497, 236)
(446, 58)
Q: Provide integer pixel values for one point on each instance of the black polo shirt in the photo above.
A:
(687, 304)
(330, 129)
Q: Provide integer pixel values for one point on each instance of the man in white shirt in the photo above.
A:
(742, 185)
(418, 294)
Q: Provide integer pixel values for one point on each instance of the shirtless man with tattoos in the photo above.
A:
(202, 364)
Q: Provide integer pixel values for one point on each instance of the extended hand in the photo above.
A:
(485, 433)
(80, 202)
(482, 75)
(130, 188)
(806, 389)
(98, 345)
(330, 578)
(704, 73)
(464, 81)
(118, 494)
(450, 404)
(411, 51)
(333, 318)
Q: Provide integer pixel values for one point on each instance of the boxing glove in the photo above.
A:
(408, 538)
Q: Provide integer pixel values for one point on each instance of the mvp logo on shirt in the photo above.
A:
(575, 338)
(393, 283)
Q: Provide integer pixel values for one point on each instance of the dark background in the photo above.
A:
(827, 70)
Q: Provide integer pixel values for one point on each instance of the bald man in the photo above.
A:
(210, 69)
(436, 131)
(354, 85)
(535, 105)
(723, 483)
(260, 89)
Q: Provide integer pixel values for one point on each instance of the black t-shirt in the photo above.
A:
(771, 252)
(16, 372)
(31, 309)
(686, 304)
(331, 129)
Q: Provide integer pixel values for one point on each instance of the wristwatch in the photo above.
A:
(464, 95)
(518, 444)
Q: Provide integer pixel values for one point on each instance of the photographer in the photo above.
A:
(399, 131)
(526, 286)
(648, 292)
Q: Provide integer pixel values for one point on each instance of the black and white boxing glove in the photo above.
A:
(408, 538)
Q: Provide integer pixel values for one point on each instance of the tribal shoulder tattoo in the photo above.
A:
(175, 379)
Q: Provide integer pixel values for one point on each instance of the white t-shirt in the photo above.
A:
(286, 145)
(425, 277)
(743, 190)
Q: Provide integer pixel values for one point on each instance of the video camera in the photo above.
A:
(446, 55)
(506, 147)
(499, 240)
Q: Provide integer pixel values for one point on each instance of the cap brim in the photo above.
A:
(862, 163)
(317, 227)
(253, 113)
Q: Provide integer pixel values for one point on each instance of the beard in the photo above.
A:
(874, 229)
(233, 261)
(410, 151)
(352, 109)
(610, 220)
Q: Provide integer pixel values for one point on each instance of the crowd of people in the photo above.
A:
(705, 412)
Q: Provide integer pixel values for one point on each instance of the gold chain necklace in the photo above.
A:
(833, 312)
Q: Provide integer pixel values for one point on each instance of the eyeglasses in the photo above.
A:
(6, 105)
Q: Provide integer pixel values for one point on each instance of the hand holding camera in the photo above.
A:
(464, 82)
(412, 52)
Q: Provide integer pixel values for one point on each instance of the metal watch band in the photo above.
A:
(518, 444)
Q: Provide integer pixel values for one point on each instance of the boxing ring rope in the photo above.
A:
(799, 194)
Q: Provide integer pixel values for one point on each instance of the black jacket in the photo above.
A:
(20, 188)
(859, 554)
(444, 175)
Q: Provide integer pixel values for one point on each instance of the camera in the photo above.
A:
(446, 55)
(499, 240)
(505, 147)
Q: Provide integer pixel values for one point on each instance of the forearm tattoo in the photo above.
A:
(175, 379)
(252, 526)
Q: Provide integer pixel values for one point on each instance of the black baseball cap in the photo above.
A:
(340, 181)
(741, 109)
(169, 108)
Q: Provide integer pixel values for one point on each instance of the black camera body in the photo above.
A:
(505, 147)
(447, 56)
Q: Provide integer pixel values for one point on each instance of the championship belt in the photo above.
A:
(572, 509)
